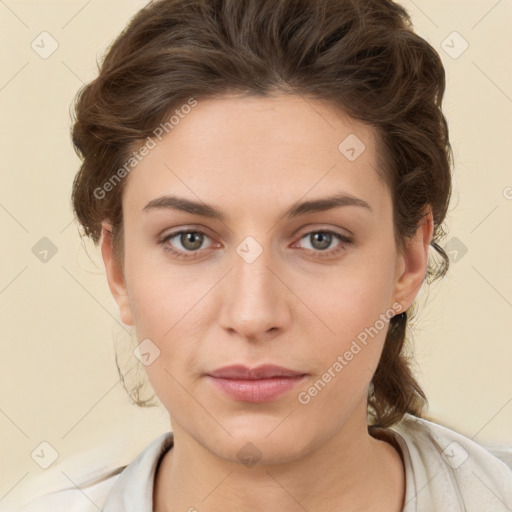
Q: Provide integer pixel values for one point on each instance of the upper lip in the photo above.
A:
(264, 371)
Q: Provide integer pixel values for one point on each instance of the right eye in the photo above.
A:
(190, 240)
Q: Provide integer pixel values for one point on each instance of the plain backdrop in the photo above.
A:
(59, 383)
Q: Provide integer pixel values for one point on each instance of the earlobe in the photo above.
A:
(412, 265)
(115, 275)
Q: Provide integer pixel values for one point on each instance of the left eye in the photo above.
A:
(321, 240)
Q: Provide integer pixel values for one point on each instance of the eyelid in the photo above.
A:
(164, 238)
(314, 228)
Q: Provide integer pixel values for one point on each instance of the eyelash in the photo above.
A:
(315, 253)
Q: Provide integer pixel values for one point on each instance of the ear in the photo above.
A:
(115, 276)
(412, 264)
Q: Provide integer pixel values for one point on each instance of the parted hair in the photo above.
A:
(360, 56)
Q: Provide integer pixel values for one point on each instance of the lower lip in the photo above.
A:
(260, 390)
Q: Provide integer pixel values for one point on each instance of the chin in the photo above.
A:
(267, 441)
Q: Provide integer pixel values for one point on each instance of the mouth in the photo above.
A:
(261, 384)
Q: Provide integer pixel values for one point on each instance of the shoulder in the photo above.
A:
(90, 487)
(133, 490)
(79, 496)
(447, 467)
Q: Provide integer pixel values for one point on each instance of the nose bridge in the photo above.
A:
(254, 305)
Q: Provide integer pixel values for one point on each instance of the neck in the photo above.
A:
(349, 471)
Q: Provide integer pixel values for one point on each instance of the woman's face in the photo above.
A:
(254, 285)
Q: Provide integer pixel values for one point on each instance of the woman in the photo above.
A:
(266, 180)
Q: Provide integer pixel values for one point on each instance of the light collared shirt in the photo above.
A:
(444, 472)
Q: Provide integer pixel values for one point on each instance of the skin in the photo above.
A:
(252, 158)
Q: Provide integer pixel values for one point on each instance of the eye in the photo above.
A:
(322, 240)
(191, 241)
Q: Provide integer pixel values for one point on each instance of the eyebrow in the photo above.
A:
(182, 204)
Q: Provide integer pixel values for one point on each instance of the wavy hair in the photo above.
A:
(360, 56)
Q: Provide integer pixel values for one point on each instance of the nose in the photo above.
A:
(255, 303)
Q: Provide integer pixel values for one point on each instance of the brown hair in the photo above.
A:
(360, 56)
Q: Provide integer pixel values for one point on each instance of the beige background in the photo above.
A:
(58, 379)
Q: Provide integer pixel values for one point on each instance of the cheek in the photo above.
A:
(169, 309)
(354, 309)
(162, 314)
(358, 315)
(353, 297)
(159, 295)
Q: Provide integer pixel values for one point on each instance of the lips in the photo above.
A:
(261, 384)
(265, 371)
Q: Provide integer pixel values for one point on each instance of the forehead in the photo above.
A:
(246, 149)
